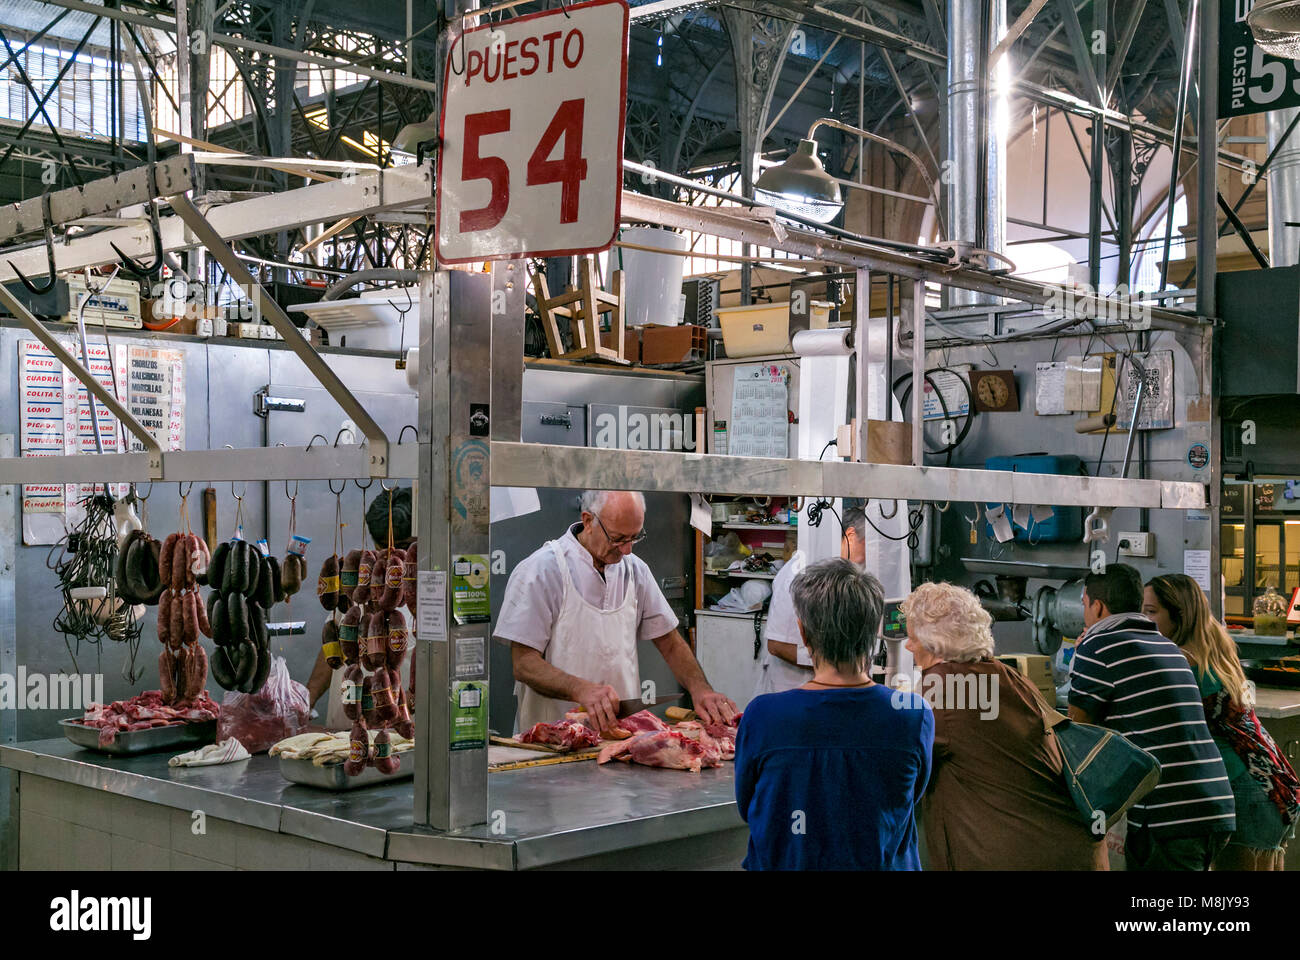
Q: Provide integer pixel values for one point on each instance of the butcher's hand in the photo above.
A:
(714, 707)
(600, 700)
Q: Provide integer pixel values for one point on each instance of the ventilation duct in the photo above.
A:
(1283, 190)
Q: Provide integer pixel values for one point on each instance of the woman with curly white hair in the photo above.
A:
(996, 798)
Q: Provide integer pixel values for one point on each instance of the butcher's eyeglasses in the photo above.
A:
(620, 541)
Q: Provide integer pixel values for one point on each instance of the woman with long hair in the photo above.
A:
(1264, 787)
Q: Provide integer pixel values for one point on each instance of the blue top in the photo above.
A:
(829, 779)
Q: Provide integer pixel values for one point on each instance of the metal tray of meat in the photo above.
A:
(129, 742)
(332, 777)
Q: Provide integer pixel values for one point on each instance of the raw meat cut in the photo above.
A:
(565, 735)
(696, 731)
(663, 748)
(642, 722)
(147, 710)
(725, 736)
(581, 716)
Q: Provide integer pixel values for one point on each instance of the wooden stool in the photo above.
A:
(583, 307)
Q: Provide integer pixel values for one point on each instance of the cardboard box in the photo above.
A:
(683, 343)
(1037, 668)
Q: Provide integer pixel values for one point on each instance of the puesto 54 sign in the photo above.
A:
(531, 160)
(1250, 80)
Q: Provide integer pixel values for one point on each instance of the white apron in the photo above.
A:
(596, 645)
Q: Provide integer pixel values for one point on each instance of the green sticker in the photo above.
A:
(471, 600)
(468, 726)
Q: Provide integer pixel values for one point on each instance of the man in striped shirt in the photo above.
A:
(1129, 678)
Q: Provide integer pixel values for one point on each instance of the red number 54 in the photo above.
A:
(569, 170)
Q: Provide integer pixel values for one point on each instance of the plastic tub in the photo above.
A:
(764, 328)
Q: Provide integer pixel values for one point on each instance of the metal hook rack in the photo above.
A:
(44, 287)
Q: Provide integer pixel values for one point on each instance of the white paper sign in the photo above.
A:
(531, 159)
(432, 603)
(1196, 564)
(701, 515)
(1049, 389)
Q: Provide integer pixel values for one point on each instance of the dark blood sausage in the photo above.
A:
(217, 566)
(237, 617)
(125, 588)
(265, 594)
(327, 583)
(254, 570)
(217, 617)
(330, 647)
(353, 678)
(245, 665)
(223, 667)
(277, 580)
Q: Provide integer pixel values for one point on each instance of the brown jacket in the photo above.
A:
(996, 800)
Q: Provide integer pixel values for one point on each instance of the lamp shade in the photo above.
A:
(801, 186)
(1275, 25)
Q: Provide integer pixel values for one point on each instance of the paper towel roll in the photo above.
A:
(822, 343)
(413, 368)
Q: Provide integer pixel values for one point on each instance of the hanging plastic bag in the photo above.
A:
(261, 720)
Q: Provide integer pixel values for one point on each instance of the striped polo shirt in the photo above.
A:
(1132, 680)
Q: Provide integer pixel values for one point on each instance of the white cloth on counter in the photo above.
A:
(535, 593)
(227, 751)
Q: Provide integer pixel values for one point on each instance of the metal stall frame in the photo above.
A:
(471, 354)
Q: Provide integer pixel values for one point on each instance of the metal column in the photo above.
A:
(453, 509)
(976, 139)
(1283, 189)
(1207, 234)
(916, 307)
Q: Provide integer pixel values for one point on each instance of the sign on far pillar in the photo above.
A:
(531, 158)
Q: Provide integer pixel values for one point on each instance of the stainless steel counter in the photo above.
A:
(538, 816)
(1277, 702)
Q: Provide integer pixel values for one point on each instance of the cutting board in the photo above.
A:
(585, 752)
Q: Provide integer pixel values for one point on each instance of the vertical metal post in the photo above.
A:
(509, 292)
(453, 510)
(862, 359)
(1180, 108)
(918, 372)
(1207, 146)
(8, 654)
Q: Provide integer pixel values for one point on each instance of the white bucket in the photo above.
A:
(652, 282)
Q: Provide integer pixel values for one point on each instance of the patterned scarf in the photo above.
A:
(1248, 738)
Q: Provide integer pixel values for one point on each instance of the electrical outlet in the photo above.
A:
(1136, 544)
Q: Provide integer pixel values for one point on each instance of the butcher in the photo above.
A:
(574, 610)
(781, 668)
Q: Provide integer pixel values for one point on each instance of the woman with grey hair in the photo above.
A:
(828, 774)
(996, 800)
